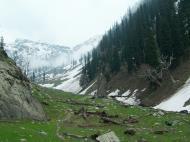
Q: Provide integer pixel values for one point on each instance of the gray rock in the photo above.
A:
(108, 137)
(16, 101)
(131, 132)
(160, 132)
(43, 133)
(23, 140)
(161, 113)
(142, 140)
(170, 123)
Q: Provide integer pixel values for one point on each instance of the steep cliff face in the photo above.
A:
(16, 101)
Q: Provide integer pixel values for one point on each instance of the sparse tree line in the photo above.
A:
(157, 34)
(2, 49)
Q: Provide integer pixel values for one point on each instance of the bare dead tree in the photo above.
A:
(156, 76)
(165, 67)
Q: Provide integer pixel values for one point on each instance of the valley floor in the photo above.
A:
(74, 118)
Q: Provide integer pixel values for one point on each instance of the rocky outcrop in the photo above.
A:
(16, 101)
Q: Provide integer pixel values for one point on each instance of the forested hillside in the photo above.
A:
(157, 34)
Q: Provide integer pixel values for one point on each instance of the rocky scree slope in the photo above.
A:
(16, 101)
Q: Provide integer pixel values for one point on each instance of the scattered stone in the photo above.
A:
(160, 132)
(94, 136)
(130, 120)
(69, 135)
(97, 108)
(168, 123)
(45, 103)
(157, 124)
(158, 114)
(131, 132)
(22, 128)
(184, 112)
(155, 114)
(108, 137)
(43, 133)
(23, 140)
(180, 131)
(175, 122)
(142, 140)
(161, 113)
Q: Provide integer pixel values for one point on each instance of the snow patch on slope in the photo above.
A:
(114, 93)
(129, 100)
(84, 92)
(72, 83)
(47, 85)
(69, 81)
(93, 93)
(178, 100)
(126, 97)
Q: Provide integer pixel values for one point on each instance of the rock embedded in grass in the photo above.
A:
(23, 140)
(142, 140)
(43, 133)
(130, 131)
(160, 132)
(168, 123)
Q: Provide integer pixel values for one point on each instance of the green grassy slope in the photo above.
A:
(62, 107)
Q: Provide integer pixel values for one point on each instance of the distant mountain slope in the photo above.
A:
(85, 47)
(67, 81)
(68, 78)
(31, 55)
(40, 57)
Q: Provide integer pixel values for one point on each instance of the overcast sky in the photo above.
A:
(66, 22)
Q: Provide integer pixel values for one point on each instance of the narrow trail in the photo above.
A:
(60, 122)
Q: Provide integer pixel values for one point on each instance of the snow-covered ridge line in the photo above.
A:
(34, 56)
(31, 56)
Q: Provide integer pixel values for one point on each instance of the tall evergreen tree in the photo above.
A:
(151, 50)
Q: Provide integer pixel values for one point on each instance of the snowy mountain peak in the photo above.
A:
(85, 47)
(35, 56)
(30, 55)
(35, 44)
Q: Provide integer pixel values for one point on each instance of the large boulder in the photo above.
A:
(16, 101)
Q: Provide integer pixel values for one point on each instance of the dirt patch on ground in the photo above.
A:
(151, 97)
(122, 81)
(181, 74)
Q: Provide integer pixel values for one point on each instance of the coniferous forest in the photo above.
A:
(156, 29)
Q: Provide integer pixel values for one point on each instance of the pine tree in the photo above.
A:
(151, 50)
(2, 43)
(115, 62)
(184, 16)
(33, 77)
(44, 77)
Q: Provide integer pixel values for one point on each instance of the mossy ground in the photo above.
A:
(61, 113)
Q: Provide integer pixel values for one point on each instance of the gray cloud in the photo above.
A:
(65, 22)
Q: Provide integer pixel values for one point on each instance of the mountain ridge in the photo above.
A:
(34, 56)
